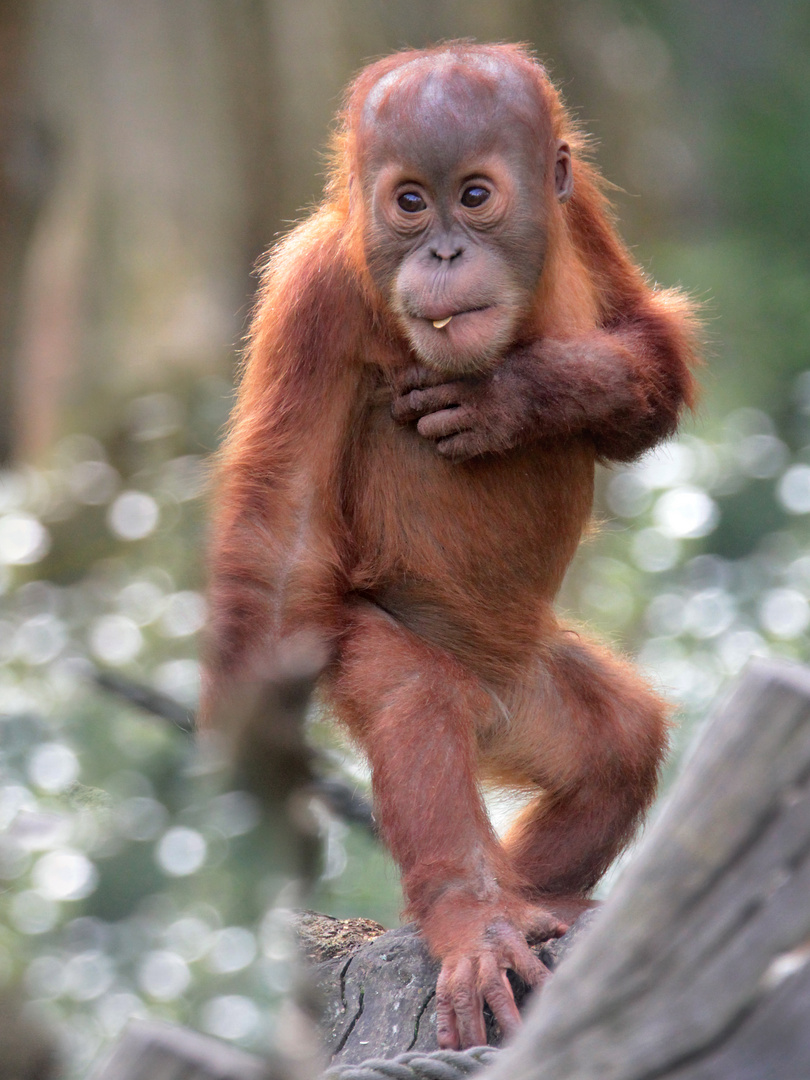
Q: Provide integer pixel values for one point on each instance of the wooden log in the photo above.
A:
(149, 1050)
(697, 966)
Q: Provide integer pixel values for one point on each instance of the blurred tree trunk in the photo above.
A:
(24, 173)
(137, 276)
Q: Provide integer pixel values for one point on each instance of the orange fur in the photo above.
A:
(432, 581)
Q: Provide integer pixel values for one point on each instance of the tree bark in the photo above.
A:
(378, 995)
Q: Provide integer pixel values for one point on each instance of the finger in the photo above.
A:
(461, 447)
(514, 953)
(416, 377)
(440, 425)
(418, 403)
(468, 1005)
(446, 1026)
(529, 967)
(544, 925)
(499, 996)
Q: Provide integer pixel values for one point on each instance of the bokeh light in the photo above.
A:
(141, 818)
(234, 813)
(180, 679)
(793, 490)
(53, 767)
(141, 601)
(183, 614)
(189, 937)
(23, 540)
(115, 639)
(654, 551)
(784, 613)
(181, 851)
(686, 512)
(88, 975)
(163, 975)
(64, 875)
(230, 1016)
(133, 515)
(233, 949)
(33, 913)
(92, 482)
(40, 640)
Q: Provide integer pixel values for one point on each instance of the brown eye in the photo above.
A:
(474, 195)
(411, 202)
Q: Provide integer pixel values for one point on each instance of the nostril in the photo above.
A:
(446, 253)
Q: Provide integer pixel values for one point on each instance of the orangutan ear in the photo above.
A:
(563, 173)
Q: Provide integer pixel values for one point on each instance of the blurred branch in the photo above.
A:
(146, 698)
(340, 798)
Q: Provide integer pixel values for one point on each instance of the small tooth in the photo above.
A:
(439, 323)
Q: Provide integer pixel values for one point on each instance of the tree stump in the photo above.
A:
(377, 988)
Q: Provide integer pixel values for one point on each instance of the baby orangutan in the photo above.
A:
(440, 354)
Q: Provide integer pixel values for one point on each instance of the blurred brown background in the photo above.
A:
(150, 152)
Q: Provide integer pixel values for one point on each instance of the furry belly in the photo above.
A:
(457, 548)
